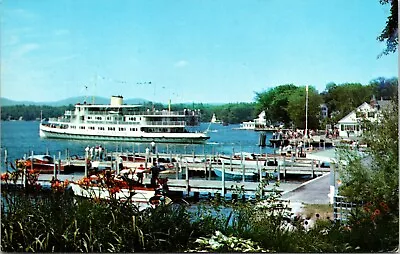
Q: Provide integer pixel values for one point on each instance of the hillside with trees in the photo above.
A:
(283, 104)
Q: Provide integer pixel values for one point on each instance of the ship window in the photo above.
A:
(89, 117)
(82, 127)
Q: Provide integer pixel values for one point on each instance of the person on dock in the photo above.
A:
(120, 163)
(101, 150)
(153, 147)
(139, 172)
(155, 172)
(87, 149)
(96, 153)
(91, 152)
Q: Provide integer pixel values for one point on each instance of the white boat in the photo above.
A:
(119, 122)
(259, 122)
(215, 120)
(107, 187)
(248, 159)
(235, 174)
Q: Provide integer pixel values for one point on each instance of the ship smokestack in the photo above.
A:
(116, 100)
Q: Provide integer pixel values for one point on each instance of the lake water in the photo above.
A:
(20, 138)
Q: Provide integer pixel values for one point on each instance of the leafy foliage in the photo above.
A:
(32, 112)
(275, 102)
(297, 106)
(390, 32)
(373, 180)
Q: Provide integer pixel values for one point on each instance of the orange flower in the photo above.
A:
(31, 171)
(377, 212)
(4, 177)
(367, 209)
(114, 190)
(373, 217)
(384, 206)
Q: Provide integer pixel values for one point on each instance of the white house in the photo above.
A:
(259, 122)
(349, 126)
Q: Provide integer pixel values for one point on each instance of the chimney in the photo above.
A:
(373, 101)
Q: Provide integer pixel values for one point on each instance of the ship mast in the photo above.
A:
(306, 131)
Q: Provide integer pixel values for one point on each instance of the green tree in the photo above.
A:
(275, 102)
(390, 32)
(384, 88)
(343, 98)
(297, 107)
(374, 181)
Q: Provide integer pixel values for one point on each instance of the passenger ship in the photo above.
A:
(119, 122)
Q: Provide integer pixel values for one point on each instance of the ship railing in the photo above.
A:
(153, 123)
(143, 113)
(59, 120)
(164, 123)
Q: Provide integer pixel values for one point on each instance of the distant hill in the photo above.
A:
(72, 100)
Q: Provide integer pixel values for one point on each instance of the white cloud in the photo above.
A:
(181, 64)
(25, 49)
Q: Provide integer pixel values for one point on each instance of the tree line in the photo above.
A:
(284, 104)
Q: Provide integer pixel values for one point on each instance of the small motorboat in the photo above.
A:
(44, 164)
(236, 174)
(123, 187)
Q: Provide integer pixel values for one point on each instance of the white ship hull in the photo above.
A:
(191, 138)
(119, 122)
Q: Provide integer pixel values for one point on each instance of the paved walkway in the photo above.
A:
(312, 192)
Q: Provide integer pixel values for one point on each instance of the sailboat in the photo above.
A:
(215, 120)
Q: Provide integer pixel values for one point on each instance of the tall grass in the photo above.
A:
(56, 221)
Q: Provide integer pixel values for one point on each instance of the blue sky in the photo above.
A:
(190, 51)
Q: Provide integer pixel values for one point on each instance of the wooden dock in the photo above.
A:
(203, 163)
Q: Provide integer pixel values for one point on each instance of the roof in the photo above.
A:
(383, 105)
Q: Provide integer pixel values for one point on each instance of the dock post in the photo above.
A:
(187, 180)
(231, 162)
(177, 167)
(259, 170)
(244, 172)
(54, 167)
(223, 179)
(86, 161)
(205, 166)
(210, 169)
(279, 172)
(5, 159)
(146, 160)
(59, 162)
(312, 168)
(284, 165)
